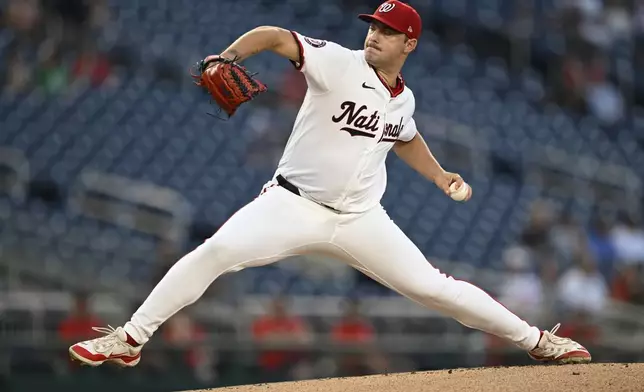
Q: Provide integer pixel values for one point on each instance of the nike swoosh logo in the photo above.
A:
(364, 85)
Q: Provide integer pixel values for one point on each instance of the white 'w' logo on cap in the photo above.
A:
(386, 7)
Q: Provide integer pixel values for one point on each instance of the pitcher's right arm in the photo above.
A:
(323, 63)
(275, 39)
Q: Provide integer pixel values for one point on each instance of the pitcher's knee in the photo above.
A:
(215, 254)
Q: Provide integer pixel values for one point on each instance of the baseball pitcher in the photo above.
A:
(325, 194)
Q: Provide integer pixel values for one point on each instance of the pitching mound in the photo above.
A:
(592, 377)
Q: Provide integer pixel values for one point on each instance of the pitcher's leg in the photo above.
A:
(380, 249)
(275, 225)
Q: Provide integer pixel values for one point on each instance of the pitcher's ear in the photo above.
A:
(410, 45)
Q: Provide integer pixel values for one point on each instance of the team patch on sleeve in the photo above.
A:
(316, 43)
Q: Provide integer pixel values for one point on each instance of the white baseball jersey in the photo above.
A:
(348, 122)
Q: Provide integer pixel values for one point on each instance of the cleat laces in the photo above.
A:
(105, 343)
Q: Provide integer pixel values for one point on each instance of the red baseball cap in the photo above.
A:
(397, 15)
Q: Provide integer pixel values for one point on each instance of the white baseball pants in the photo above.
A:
(278, 224)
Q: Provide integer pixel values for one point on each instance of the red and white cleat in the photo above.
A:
(112, 347)
(555, 349)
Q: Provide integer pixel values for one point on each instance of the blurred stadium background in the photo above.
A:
(111, 169)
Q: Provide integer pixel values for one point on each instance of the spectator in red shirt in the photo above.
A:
(92, 66)
(582, 327)
(78, 324)
(279, 327)
(627, 284)
(354, 331)
(186, 335)
(353, 327)
(181, 330)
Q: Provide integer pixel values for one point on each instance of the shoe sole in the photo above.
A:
(572, 360)
(88, 362)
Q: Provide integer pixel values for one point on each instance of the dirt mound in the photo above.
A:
(592, 377)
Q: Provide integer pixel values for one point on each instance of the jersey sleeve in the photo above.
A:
(323, 63)
(409, 130)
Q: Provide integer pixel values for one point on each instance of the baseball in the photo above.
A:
(460, 194)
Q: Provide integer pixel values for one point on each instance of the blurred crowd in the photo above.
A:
(561, 270)
(582, 266)
(278, 326)
(592, 29)
(596, 48)
(53, 46)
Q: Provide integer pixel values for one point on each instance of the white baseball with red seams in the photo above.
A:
(334, 166)
(460, 193)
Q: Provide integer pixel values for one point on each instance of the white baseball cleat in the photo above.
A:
(555, 349)
(112, 347)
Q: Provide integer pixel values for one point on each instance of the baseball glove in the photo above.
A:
(229, 84)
